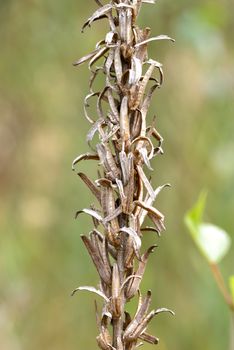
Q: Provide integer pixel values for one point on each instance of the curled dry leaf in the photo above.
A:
(144, 323)
(149, 1)
(100, 261)
(113, 106)
(94, 129)
(97, 14)
(140, 314)
(97, 56)
(91, 289)
(149, 338)
(146, 182)
(90, 212)
(136, 239)
(159, 37)
(108, 161)
(154, 214)
(149, 228)
(85, 58)
(86, 156)
(91, 185)
(133, 286)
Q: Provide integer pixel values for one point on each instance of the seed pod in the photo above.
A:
(108, 203)
(116, 296)
(124, 121)
(118, 64)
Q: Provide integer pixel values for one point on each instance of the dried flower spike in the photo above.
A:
(123, 191)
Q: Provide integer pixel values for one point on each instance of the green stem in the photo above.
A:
(232, 332)
(222, 287)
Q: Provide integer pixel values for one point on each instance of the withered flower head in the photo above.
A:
(123, 190)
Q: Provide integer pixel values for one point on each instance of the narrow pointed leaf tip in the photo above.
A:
(149, 1)
(197, 211)
(212, 241)
(164, 309)
(155, 38)
(92, 290)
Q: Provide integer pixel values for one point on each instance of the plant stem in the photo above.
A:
(221, 284)
(118, 322)
(117, 332)
(231, 347)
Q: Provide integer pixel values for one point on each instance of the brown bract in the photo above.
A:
(123, 190)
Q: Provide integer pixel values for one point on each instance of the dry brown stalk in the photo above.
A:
(124, 192)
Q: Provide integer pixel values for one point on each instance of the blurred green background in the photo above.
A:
(42, 128)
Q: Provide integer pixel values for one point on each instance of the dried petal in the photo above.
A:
(101, 266)
(149, 1)
(149, 338)
(107, 160)
(91, 212)
(91, 289)
(113, 105)
(159, 37)
(155, 215)
(87, 105)
(85, 58)
(98, 55)
(91, 185)
(136, 239)
(134, 285)
(108, 203)
(146, 182)
(85, 156)
(97, 14)
(138, 94)
(95, 127)
(136, 124)
(141, 312)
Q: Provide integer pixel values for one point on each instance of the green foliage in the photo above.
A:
(212, 241)
(231, 284)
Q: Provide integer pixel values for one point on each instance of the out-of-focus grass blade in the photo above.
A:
(212, 241)
(231, 284)
(195, 214)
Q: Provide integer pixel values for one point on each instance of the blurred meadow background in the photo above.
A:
(42, 129)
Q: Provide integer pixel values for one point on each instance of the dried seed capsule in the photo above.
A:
(124, 121)
(118, 64)
(108, 203)
(116, 296)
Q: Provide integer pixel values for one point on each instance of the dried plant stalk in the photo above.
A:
(123, 190)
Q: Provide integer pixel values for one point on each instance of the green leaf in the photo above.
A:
(212, 241)
(231, 284)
